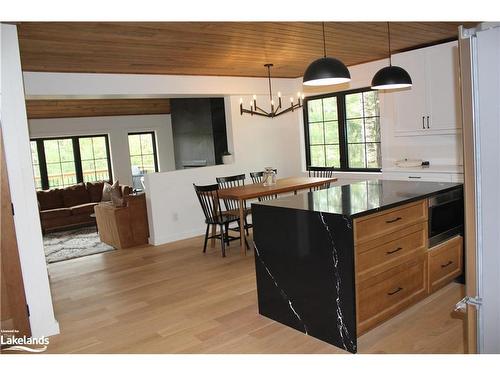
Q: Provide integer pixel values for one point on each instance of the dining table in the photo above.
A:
(254, 191)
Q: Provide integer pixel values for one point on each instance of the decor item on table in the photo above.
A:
(257, 179)
(326, 70)
(269, 177)
(72, 205)
(72, 244)
(275, 110)
(257, 176)
(227, 158)
(391, 77)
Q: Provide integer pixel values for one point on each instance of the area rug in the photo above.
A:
(73, 243)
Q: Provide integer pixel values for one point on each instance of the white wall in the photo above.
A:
(173, 209)
(117, 128)
(18, 158)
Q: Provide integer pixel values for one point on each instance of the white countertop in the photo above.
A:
(430, 169)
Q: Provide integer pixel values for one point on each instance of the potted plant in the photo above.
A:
(227, 157)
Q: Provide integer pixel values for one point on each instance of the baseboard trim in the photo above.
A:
(161, 240)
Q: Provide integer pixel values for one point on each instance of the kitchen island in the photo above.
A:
(336, 262)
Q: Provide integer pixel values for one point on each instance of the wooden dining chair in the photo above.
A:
(257, 179)
(320, 172)
(230, 204)
(208, 197)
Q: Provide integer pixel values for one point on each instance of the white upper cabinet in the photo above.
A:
(410, 104)
(432, 104)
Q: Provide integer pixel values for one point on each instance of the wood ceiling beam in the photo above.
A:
(42, 109)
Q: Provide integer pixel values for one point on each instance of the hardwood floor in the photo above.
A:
(174, 299)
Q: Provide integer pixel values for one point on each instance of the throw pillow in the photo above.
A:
(108, 191)
(95, 190)
(75, 195)
(117, 202)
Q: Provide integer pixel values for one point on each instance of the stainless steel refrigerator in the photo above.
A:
(479, 60)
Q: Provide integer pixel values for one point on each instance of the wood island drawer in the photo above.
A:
(445, 263)
(387, 294)
(385, 252)
(387, 221)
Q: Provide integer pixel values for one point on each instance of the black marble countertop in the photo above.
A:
(363, 197)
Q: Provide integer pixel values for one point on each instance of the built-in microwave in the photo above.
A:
(446, 216)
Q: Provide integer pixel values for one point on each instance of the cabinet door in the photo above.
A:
(410, 103)
(443, 94)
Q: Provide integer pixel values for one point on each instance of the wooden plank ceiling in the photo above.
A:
(38, 109)
(214, 48)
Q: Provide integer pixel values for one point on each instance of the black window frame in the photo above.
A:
(342, 127)
(155, 152)
(76, 156)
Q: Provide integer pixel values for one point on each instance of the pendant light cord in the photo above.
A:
(324, 39)
(389, 37)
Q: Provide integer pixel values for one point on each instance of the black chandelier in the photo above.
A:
(276, 110)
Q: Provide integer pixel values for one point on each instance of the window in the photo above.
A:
(36, 165)
(94, 157)
(61, 162)
(143, 159)
(343, 131)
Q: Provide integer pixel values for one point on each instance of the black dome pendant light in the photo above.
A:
(326, 70)
(391, 77)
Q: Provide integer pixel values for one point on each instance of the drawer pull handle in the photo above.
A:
(414, 176)
(447, 264)
(393, 220)
(394, 251)
(395, 291)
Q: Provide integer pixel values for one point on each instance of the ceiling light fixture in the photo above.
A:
(391, 77)
(326, 70)
(275, 110)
